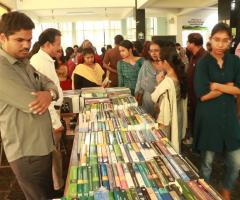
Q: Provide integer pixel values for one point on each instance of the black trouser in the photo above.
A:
(34, 175)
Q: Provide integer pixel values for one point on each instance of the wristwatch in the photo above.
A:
(53, 95)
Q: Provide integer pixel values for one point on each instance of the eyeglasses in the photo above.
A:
(224, 41)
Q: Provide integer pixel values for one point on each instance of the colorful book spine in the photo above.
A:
(80, 182)
(133, 174)
(118, 153)
(116, 176)
(111, 178)
(85, 181)
(153, 175)
(121, 175)
(128, 177)
(104, 174)
(95, 177)
(138, 175)
(178, 168)
(163, 168)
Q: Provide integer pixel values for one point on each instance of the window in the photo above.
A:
(100, 33)
(131, 31)
(151, 27)
(65, 28)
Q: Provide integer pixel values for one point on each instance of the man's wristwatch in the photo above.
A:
(53, 95)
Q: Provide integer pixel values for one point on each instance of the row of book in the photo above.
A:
(75, 100)
(95, 181)
(115, 103)
(100, 92)
(109, 121)
(119, 137)
(133, 153)
(103, 111)
(123, 102)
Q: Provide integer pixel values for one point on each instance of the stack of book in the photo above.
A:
(93, 92)
(118, 92)
(121, 154)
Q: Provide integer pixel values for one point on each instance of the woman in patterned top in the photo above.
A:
(146, 81)
(128, 67)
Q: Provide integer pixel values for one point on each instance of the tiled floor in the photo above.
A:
(9, 189)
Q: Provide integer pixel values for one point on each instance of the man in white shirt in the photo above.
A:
(50, 43)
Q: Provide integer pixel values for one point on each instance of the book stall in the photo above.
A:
(119, 153)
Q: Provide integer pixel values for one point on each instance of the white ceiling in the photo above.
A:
(103, 9)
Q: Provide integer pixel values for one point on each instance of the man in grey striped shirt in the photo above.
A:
(25, 95)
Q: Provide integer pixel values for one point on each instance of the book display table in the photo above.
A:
(119, 153)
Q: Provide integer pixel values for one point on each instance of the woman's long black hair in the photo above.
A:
(170, 54)
(69, 51)
(128, 45)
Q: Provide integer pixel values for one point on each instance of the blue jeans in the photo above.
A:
(232, 162)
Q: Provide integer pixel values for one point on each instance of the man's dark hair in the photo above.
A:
(34, 50)
(195, 38)
(118, 39)
(12, 22)
(178, 45)
(48, 36)
(221, 27)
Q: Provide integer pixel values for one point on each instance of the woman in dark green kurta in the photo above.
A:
(217, 81)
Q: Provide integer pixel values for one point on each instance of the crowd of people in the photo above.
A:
(191, 93)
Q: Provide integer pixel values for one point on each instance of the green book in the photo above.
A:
(90, 184)
(80, 182)
(186, 191)
(73, 174)
(134, 194)
(111, 195)
(72, 190)
(128, 195)
(123, 195)
(95, 177)
(124, 137)
(118, 153)
(146, 171)
(117, 195)
(143, 174)
(85, 181)
(93, 155)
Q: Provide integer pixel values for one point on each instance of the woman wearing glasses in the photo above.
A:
(170, 96)
(216, 83)
(146, 81)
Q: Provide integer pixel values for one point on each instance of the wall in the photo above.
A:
(172, 25)
(209, 17)
(161, 26)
